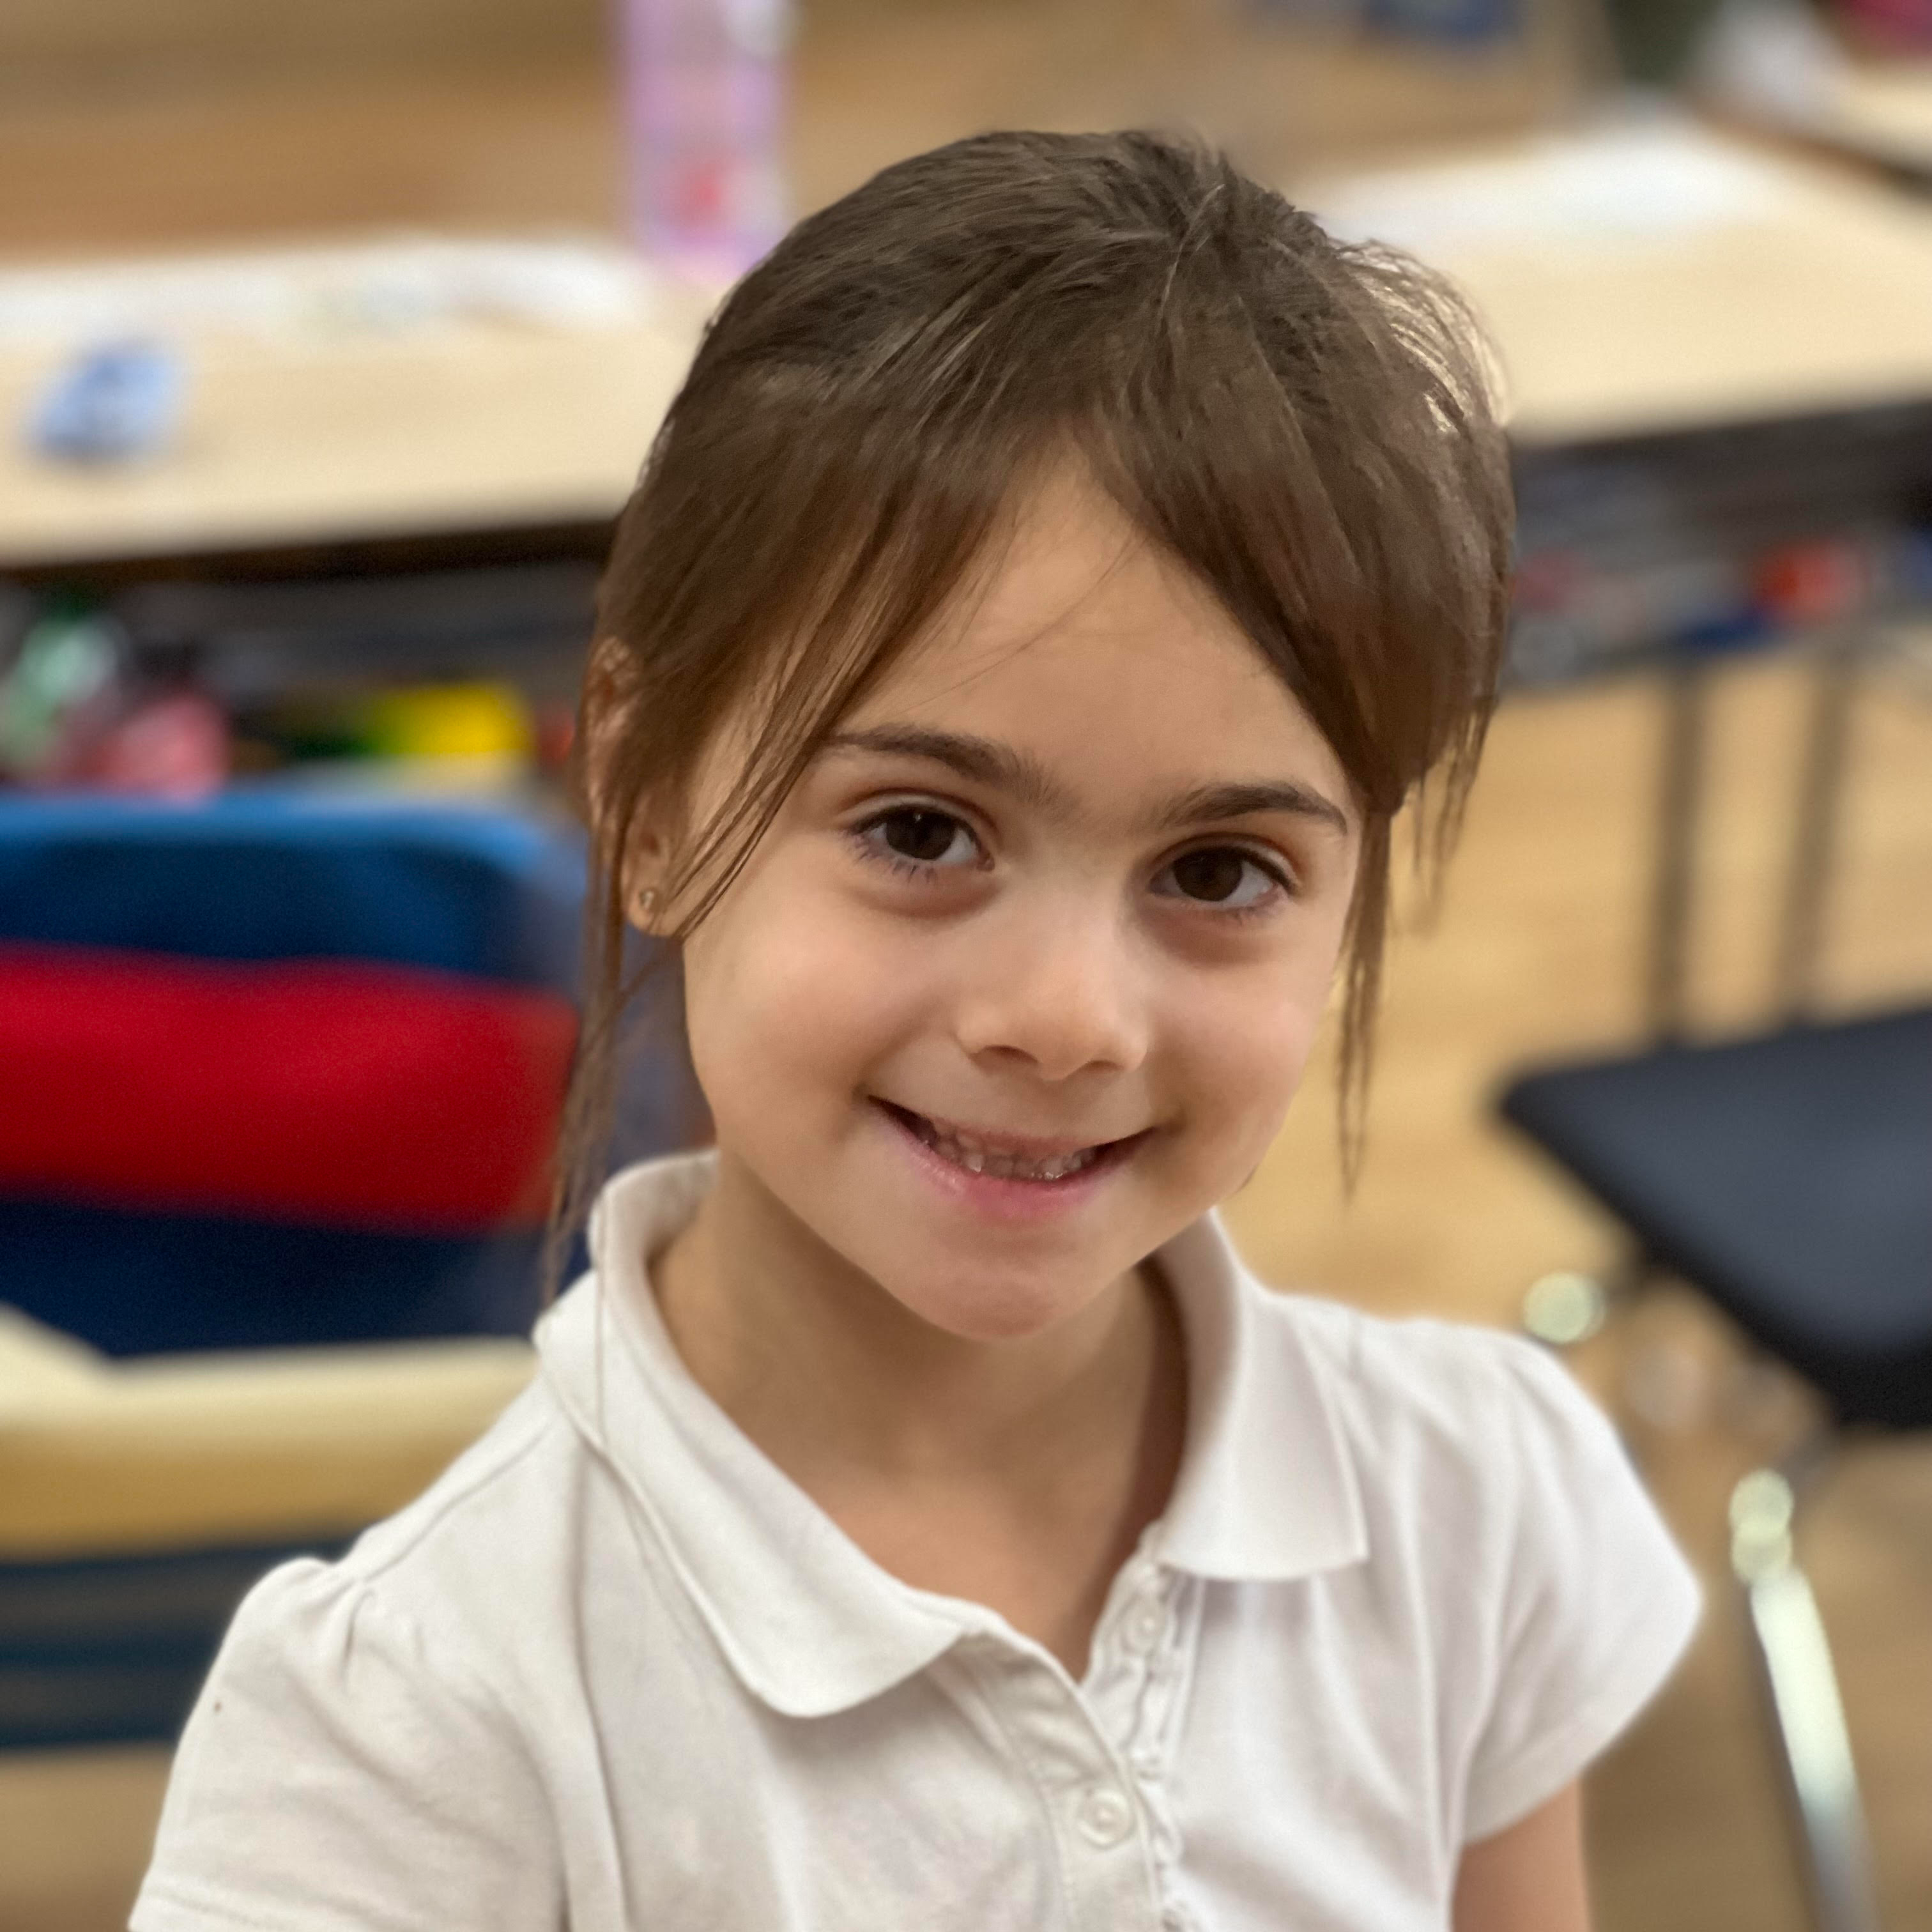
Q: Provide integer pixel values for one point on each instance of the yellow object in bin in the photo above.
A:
(100, 1458)
(449, 721)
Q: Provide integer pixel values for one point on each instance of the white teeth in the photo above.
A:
(964, 1151)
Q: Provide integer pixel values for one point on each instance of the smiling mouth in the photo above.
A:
(985, 1154)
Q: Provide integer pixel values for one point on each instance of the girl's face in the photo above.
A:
(1024, 975)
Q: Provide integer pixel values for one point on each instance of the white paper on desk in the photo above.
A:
(382, 288)
(1613, 187)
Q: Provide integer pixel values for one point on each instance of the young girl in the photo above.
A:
(1060, 566)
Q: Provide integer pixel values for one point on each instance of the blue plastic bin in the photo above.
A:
(269, 875)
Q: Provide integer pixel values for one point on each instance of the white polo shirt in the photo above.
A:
(614, 1672)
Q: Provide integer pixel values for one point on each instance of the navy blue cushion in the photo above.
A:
(132, 1283)
(1788, 1176)
(271, 874)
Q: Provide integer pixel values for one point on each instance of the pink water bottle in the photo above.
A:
(705, 98)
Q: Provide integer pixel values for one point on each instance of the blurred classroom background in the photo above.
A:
(330, 340)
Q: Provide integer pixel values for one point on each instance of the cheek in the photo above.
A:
(790, 999)
(1245, 1050)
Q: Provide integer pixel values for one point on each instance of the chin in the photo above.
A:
(981, 1312)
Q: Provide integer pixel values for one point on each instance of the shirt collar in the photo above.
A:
(1267, 1491)
(806, 1619)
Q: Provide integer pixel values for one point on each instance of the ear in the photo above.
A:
(647, 863)
(646, 838)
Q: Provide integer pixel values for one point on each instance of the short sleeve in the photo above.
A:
(1598, 1604)
(337, 1777)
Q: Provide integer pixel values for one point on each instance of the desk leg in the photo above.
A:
(1680, 799)
(1814, 840)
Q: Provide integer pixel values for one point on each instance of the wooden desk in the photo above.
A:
(320, 444)
(1773, 289)
(308, 437)
(1797, 291)
(1878, 112)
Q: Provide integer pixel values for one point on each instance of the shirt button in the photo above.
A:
(1105, 1817)
(1141, 1629)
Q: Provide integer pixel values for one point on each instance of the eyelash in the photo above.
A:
(926, 871)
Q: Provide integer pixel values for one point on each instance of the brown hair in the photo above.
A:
(1305, 424)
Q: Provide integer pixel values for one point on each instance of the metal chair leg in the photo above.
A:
(1807, 1713)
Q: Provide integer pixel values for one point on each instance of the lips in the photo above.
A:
(1006, 1157)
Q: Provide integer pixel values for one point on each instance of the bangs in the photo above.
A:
(1306, 426)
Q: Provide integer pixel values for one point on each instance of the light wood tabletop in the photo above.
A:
(1634, 280)
(1646, 276)
(1880, 111)
(311, 436)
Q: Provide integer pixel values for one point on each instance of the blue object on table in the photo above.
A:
(110, 402)
(1447, 22)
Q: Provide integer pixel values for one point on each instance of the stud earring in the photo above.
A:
(647, 902)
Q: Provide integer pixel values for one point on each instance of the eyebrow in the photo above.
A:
(988, 762)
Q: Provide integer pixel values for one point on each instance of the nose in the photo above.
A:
(1057, 988)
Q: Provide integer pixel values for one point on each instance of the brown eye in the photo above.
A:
(926, 836)
(1211, 875)
(911, 837)
(1225, 878)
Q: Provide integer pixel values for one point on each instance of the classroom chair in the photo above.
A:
(1787, 1176)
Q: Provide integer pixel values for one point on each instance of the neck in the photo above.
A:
(828, 1373)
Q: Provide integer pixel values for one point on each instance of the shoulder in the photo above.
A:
(422, 1585)
(1497, 1497)
(472, 1580)
(375, 1743)
(504, 1482)
(1439, 1402)
(353, 1758)
(1472, 1449)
